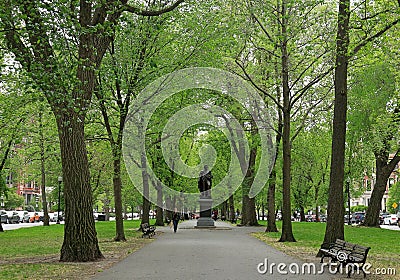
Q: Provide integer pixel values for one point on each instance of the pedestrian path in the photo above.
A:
(226, 252)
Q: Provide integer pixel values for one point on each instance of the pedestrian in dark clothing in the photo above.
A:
(175, 220)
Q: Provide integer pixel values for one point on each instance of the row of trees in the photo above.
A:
(90, 60)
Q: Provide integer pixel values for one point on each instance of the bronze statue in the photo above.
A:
(205, 181)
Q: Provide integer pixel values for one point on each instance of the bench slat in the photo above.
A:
(353, 253)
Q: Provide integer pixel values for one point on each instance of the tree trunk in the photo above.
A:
(249, 204)
(287, 233)
(46, 220)
(302, 214)
(159, 213)
(168, 206)
(263, 211)
(80, 240)
(117, 183)
(383, 171)
(317, 219)
(335, 220)
(316, 203)
(232, 216)
(116, 147)
(146, 202)
(2, 164)
(271, 221)
(224, 208)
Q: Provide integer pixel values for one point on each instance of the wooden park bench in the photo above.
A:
(345, 253)
(147, 230)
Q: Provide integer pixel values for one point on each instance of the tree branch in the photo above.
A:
(302, 91)
(258, 87)
(371, 38)
(140, 12)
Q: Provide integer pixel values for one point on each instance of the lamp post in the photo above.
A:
(59, 198)
(348, 199)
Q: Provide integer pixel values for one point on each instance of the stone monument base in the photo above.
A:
(205, 223)
(205, 220)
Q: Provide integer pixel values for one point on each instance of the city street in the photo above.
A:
(392, 227)
(25, 225)
(22, 225)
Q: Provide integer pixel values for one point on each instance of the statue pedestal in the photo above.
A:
(205, 220)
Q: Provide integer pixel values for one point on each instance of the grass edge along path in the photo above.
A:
(384, 254)
(33, 253)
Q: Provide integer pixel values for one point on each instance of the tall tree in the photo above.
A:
(335, 220)
(68, 83)
(373, 124)
(281, 45)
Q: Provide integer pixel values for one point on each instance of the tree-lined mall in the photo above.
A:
(115, 107)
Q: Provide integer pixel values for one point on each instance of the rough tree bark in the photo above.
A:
(287, 232)
(117, 184)
(384, 168)
(159, 213)
(46, 220)
(80, 237)
(335, 220)
(116, 147)
(146, 202)
(232, 216)
(36, 54)
(271, 220)
(3, 163)
(249, 204)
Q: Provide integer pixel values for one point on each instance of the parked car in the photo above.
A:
(382, 217)
(346, 219)
(4, 217)
(311, 218)
(41, 216)
(34, 217)
(23, 216)
(398, 218)
(54, 217)
(357, 217)
(13, 218)
(390, 219)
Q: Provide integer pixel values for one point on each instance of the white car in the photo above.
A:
(23, 216)
(133, 216)
(390, 219)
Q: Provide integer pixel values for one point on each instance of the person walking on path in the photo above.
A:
(175, 220)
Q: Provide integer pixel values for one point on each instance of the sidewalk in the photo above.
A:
(225, 252)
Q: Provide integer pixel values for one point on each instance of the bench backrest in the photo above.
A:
(339, 244)
(360, 252)
(144, 225)
(357, 251)
(349, 247)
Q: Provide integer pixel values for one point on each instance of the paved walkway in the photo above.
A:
(223, 253)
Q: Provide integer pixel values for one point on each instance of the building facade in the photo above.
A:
(368, 184)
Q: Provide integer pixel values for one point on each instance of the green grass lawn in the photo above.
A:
(33, 253)
(385, 244)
